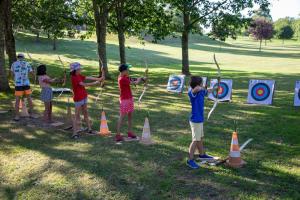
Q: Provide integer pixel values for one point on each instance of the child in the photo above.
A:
(126, 100)
(20, 70)
(80, 96)
(46, 93)
(196, 95)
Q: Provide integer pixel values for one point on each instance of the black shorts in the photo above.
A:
(22, 88)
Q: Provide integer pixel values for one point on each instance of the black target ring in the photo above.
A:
(260, 91)
(223, 90)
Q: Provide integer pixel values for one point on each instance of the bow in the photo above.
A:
(64, 76)
(34, 68)
(145, 84)
(218, 86)
(101, 85)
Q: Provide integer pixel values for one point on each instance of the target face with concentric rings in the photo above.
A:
(260, 91)
(175, 83)
(223, 90)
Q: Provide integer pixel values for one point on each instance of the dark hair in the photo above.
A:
(195, 81)
(73, 73)
(123, 67)
(41, 70)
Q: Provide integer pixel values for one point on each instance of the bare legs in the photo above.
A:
(196, 145)
(120, 121)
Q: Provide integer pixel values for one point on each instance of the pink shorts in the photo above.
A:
(126, 106)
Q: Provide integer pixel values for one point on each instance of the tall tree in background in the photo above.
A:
(4, 86)
(261, 29)
(285, 33)
(101, 10)
(58, 16)
(204, 12)
(9, 36)
(137, 18)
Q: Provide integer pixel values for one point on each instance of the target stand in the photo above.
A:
(297, 94)
(225, 90)
(176, 83)
(261, 92)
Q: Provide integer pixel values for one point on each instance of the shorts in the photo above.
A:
(22, 90)
(46, 94)
(197, 131)
(81, 103)
(126, 106)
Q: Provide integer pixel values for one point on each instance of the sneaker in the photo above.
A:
(91, 132)
(119, 138)
(192, 164)
(206, 157)
(131, 135)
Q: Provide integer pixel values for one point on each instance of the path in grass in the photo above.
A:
(39, 163)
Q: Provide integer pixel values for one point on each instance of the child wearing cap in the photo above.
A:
(126, 100)
(196, 95)
(46, 93)
(80, 95)
(20, 70)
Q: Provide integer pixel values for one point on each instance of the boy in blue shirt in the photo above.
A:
(196, 95)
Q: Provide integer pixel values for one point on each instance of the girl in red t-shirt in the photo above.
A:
(80, 96)
(126, 100)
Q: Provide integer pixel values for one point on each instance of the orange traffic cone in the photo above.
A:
(24, 111)
(146, 136)
(103, 125)
(235, 154)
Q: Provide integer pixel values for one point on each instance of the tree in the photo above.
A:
(135, 18)
(296, 28)
(58, 16)
(222, 29)
(285, 33)
(261, 29)
(204, 12)
(4, 86)
(9, 36)
(101, 11)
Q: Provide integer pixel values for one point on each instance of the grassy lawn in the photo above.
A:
(39, 163)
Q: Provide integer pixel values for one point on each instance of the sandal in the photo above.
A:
(75, 136)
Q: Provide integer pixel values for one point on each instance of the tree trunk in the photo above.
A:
(37, 38)
(121, 28)
(101, 17)
(260, 41)
(9, 36)
(4, 86)
(54, 43)
(185, 44)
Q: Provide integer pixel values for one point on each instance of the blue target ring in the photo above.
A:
(223, 90)
(175, 83)
(260, 91)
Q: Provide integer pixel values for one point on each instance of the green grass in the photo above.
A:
(40, 163)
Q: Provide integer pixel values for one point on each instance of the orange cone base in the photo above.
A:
(104, 133)
(233, 164)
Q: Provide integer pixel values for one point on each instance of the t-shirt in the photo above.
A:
(78, 90)
(197, 102)
(124, 86)
(43, 81)
(21, 68)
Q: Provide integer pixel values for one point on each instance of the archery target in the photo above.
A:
(297, 94)
(225, 90)
(176, 83)
(261, 91)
